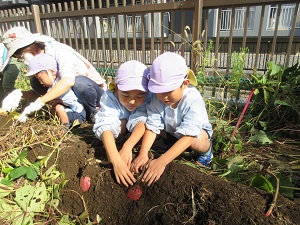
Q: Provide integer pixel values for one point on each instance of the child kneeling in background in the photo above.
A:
(123, 109)
(176, 108)
(44, 67)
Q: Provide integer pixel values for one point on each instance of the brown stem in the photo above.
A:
(275, 195)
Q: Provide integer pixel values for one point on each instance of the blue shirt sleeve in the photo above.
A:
(194, 115)
(155, 111)
(108, 117)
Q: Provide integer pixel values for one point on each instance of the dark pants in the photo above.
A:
(87, 91)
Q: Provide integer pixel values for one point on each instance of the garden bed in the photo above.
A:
(185, 194)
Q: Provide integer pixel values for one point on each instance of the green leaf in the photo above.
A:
(263, 124)
(6, 182)
(4, 191)
(7, 170)
(261, 137)
(279, 102)
(264, 79)
(286, 187)
(266, 95)
(259, 181)
(65, 220)
(31, 173)
(82, 217)
(12, 212)
(236, 163)
(17, 172)
(276, 68)
(32, 199)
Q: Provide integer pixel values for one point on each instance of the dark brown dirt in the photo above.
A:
(183, 195)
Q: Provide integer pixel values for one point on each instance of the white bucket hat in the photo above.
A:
(16, 38)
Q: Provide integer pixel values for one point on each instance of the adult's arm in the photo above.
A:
(61, 87)
(10, 75)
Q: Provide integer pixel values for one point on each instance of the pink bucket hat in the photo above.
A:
(167, 73)
(16, 38)
(41, 62)
(132, 75)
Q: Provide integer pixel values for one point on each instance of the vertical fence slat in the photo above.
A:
(161, 32)
(288, 54)
(81, 23)
(88, 35)
(95, 29)
(103, 47)
(230, 41)
(246, 27)
(262, 15)
(196, 30)
(152, 56)
(172, 28)
(109, 29)
(61, 25)
(217, 40)
(127, 54)
(143, 37)
(275, 30)
(37, 19)
(117, 31)
(56, 27)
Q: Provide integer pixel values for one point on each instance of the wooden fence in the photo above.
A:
(109, 34)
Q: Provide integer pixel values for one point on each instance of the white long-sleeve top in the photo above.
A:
(70, 62)
(188, 118)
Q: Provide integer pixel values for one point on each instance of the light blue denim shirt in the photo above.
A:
(189, 118)
(70, 100)
(112, 111)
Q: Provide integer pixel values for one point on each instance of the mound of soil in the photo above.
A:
(183, 195)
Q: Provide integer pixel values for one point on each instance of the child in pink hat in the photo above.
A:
(176, 108)
(44, 67)
(123, 109)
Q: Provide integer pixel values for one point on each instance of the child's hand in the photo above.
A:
(154, 171)
(126, 155)
(140, 160)
(122, 173)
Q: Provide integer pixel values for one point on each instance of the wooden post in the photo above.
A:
(197, 24)
(36, 18)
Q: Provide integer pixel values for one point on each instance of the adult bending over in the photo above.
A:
(23, 45)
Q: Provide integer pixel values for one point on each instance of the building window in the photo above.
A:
(239, 18)
(285, 19)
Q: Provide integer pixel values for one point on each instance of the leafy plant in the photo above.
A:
(276, 96)
(29, 191)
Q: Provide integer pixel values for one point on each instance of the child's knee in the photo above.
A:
(200, 145)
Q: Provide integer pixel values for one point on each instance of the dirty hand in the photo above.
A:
(34, 106)
(154, 170)
(139, 161)
(122, 173)
(126, 155)
(12, 100)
